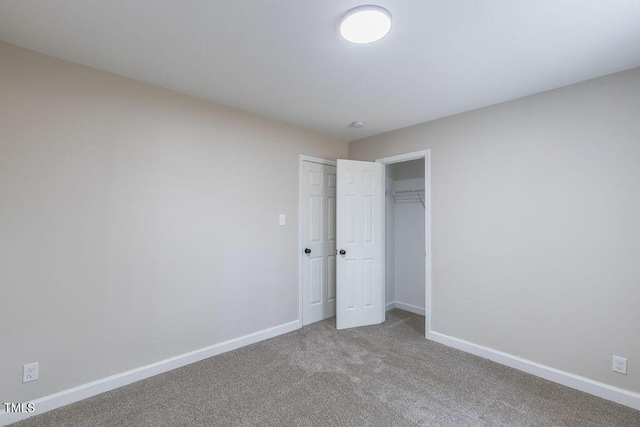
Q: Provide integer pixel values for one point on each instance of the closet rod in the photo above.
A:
(402, 196)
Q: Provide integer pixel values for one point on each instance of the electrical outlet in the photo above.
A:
(30, 372)
(620, 365)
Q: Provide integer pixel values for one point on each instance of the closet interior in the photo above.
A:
(405, 236)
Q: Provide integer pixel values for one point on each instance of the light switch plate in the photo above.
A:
(283, 219)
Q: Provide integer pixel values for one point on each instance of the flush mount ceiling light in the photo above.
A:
(365, 24)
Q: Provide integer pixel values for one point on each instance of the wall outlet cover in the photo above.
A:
(619, 365)
(30, 372)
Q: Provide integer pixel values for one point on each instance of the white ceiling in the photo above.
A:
(283, 58)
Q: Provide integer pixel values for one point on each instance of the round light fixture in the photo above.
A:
(365, 24)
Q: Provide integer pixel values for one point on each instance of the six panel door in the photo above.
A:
(360, 259)
(319, 241)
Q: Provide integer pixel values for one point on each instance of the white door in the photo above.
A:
(360, 262)
(319, 242)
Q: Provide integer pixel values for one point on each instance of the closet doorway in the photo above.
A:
(407, 233)
(401, 234)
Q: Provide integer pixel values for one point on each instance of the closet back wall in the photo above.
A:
(390, 237)
(136, 224)
(409, 244)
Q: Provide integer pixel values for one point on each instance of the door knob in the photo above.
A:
(307, 251)
(343, 252)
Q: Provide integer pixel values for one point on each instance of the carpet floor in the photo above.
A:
(383, 375)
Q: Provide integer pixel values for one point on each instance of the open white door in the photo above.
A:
(360, 260)
(319, 241)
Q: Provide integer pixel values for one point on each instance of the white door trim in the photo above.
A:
(303, 159)
(427, 223)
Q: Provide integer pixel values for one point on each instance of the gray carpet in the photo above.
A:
(385, 375)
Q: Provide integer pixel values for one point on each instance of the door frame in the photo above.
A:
(304, 158)
(427, 226)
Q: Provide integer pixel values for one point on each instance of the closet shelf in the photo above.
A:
(406, 196)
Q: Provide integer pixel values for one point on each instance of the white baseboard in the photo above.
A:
(406, 307)
(84, 391)
(410, 307)
(605, 391)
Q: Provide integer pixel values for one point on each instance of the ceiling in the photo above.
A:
(284, 59)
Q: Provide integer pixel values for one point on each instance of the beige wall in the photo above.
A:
(136, 224)
(536, 224)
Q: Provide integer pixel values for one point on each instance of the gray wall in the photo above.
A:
(536, 224)
(411, 169)
(409, 240)
(389, 242)
(136, 224)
